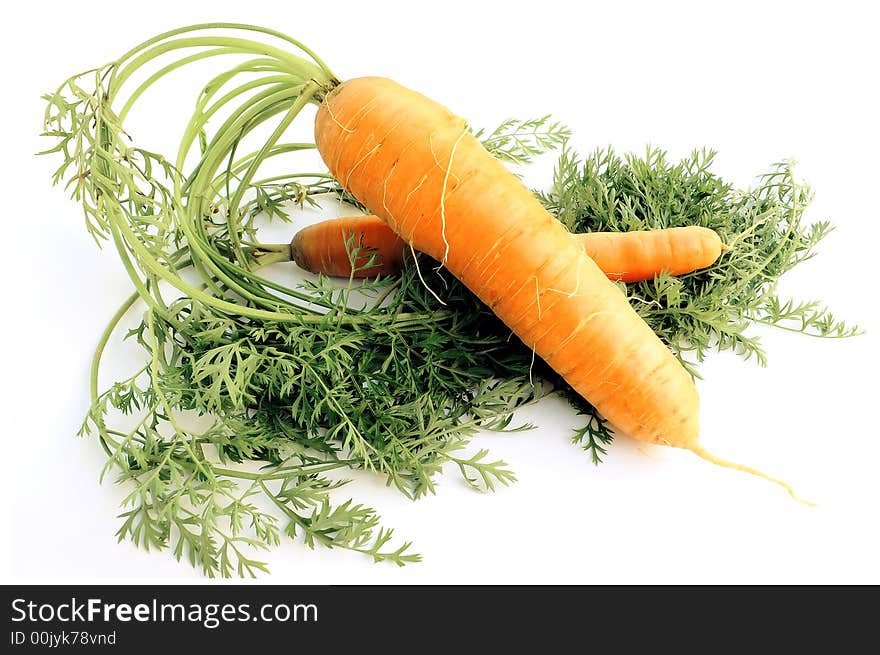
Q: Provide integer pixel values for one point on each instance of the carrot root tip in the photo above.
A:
(704, 454)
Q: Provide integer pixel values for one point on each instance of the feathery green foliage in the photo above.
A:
(520, 141)
(763, 228)
(254, 398)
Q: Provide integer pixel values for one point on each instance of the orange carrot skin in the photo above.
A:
(642, 254)
(625, 256)
(414, 164)
(324, 247)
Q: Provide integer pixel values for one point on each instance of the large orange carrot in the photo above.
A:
(626, 256)
(413, 163)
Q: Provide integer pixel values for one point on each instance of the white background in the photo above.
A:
(758, 81)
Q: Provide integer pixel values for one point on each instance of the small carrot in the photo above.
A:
(325, 247)
(643, 254)
(625, 256)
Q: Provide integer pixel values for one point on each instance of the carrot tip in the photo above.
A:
(704, 454)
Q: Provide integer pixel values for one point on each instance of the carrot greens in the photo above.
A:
(764, 229)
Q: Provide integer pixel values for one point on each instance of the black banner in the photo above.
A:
(167, 618)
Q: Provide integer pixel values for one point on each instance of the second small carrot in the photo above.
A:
(624, 256)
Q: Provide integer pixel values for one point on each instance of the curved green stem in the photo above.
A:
(295, 65)
(96, 362)
(235, 199)
(163, 72)
(229, 26)
(191, 225)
